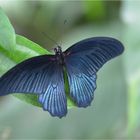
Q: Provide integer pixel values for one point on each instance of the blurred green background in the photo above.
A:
(115, 111)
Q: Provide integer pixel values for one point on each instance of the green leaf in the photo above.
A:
(14, 49)
(26, 49)
(7, 33)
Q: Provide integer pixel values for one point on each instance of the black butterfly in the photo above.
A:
(44, 75)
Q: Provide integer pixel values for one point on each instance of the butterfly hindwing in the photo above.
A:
(83, 60)
(82, 85)
(54, 98)
(39, 75)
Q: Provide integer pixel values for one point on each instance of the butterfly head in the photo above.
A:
(59, 55)
(58, 50)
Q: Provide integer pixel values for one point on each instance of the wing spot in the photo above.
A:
(54, 85)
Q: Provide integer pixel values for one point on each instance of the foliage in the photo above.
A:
(14, 49)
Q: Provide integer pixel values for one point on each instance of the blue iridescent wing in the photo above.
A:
(54, 98)
(26, 77)
(83, 60)
(39, 75)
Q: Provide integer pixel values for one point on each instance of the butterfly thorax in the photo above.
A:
(59, 55)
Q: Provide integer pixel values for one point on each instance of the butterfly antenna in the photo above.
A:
(50, 38)
(62, 31)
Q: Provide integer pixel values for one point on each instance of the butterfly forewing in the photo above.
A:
(26, 76)
(83, 60)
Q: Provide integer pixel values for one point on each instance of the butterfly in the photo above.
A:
(44, 75)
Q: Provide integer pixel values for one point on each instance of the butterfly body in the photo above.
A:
(44, 75)
(59, 56)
